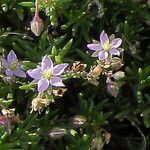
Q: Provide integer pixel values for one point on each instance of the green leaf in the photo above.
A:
(54, 51)
(24, 45)
(26, 87)
(43, 41)
(65, 49)
(84, 56)
(28, 65)
(18, 49)
(146, 119)
(26, 4)
(57, 59)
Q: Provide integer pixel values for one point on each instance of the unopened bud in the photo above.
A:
(116, 63)
(118, 75)
(57, 133)
(78, 120)
(113, 89)
(37, 25)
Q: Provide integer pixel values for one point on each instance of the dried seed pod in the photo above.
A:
(107, 137)
(96, 71)
(38, 103)
(116, 63)
(113, 89)
(104, 63)
(37, 25)
(78, 67)
(59, 92)
(97, 143)
(78, 120)
(57, 133)
(10, 113)
(118, 75)
(9, 79)
(92, 79)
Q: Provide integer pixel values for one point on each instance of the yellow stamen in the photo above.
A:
(47, 74)
(13, 65)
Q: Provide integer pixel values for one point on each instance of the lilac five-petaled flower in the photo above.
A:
(106, 47)
(47, 74)
(12, 65)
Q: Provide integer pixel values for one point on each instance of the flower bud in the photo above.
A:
(116, 63)
(57, 133)
(113, 89)
(78, 120)
(118, 75)
(37, 25)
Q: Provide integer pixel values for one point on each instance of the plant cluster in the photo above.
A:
(60, 89)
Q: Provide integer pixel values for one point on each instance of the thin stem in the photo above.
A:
(36, 6)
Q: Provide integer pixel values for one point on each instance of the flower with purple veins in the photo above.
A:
(12, 65)
(106, 47)
(47, 74)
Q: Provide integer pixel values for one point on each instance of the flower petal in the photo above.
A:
(95, 54)
(5, 63)
(43, 85)
(103, 37)
(9, 72)
(116, 42)
(114, 51)
(46, 63)
(94, 46)
(11, 56)
(56, 81)
(19, 73)
(59, 69)
(102, 55)
(35, 73)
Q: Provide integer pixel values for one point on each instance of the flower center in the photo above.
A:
(13, 65)
(47, 74)
(106, 46)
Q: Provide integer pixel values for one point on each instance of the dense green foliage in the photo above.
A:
(69, 25)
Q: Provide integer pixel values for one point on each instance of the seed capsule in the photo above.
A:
(97, 143)
(78, 120)
(116, 63)
(57, 133)
(97, 71)
(118, 75)
(38, 103)
(78, 67)
(113, 89)
(59, 92)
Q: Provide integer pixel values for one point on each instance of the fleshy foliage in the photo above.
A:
(55, 94)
